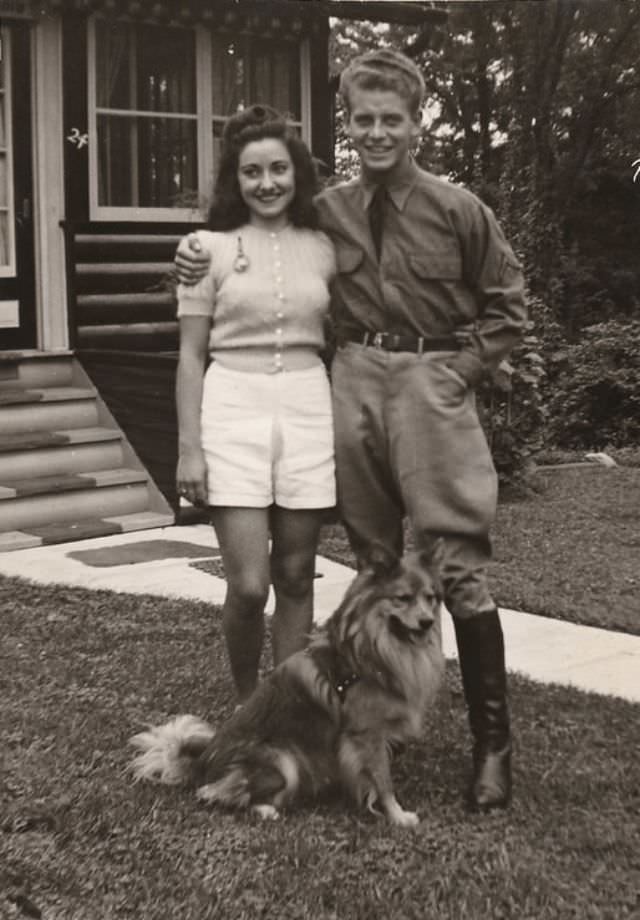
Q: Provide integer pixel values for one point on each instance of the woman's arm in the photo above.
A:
(191, 475)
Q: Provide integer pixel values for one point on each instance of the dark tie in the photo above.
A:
(376, 217)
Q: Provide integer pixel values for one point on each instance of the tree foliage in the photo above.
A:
(596, 400)
(535, 106)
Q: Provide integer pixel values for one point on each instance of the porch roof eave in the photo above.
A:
(303, 12)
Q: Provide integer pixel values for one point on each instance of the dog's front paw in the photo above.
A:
(266, 812)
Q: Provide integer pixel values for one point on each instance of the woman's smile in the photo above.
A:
(267, 182)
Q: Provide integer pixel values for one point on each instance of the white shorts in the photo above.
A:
(268, 438)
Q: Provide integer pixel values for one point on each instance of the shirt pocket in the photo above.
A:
(440, 266)
(348, 259)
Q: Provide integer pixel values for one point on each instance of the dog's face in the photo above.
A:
(392, 603)
(405, 596)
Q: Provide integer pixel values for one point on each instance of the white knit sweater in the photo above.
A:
(278, 303)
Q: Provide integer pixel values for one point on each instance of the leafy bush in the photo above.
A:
(595, 399)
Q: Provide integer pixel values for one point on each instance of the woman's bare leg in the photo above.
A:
(243, 536)
(294, 543)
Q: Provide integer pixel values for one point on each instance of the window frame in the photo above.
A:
(203, 116)
(8, 269)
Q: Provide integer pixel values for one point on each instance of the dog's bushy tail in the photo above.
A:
(168, 753)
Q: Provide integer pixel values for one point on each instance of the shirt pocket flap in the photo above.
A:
(348, 258)
(444, 265)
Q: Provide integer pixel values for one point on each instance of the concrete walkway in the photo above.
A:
(184, 562)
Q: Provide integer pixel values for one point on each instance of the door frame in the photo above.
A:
(49, 184)
(47, 140)
(17, 286)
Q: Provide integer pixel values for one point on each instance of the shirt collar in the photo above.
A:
(399, 190)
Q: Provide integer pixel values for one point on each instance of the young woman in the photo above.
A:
(255, 427)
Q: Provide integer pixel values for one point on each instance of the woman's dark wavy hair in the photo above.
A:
(228, 210)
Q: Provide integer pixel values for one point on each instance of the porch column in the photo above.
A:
(51, 289)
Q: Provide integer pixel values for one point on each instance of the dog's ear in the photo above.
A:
(431, 551)
(381, 559)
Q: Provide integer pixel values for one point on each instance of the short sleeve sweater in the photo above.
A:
(278, 302)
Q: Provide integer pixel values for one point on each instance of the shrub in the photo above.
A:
(595, 399)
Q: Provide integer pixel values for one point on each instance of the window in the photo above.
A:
(246, 70)
(7, 243)
(158, 99)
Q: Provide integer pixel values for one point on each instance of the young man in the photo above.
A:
(427, 300)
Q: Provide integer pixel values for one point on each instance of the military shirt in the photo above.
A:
(445, 268)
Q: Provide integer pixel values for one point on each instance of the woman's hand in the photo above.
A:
(191, 260)
(191, 476)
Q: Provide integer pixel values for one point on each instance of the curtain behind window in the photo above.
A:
(145, 161)
(146, 105)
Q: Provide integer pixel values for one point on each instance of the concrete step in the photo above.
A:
(34, 440)
(113, 496)
(71, 482)
(82, 530)
(25, 409)
(24, 455)
(35, 369)
(67, 471)
(23, 394)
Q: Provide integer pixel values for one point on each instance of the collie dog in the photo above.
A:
(328, 714)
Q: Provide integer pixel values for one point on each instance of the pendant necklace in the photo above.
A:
(241, 262)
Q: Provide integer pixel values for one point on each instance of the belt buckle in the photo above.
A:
(378, 339)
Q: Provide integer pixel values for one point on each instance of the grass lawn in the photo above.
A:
(571, 550)
(81, 671)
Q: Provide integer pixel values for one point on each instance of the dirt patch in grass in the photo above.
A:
(568, 548)
(80, 671)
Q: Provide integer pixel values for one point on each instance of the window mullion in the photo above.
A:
(204, 97)
(133, 102)
(305, 91)
(7, 232)
(92, 96)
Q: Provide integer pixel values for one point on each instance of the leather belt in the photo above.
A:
(390, 341)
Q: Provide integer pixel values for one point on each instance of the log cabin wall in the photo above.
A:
(126, 334)
(139, 389)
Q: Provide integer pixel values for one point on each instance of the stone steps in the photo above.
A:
(67, 471)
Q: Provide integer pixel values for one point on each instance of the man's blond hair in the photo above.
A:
(387, 70)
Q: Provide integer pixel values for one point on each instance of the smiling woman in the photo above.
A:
(285, 160)
(255, 426)
(267, 182)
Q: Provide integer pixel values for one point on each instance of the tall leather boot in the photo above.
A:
(481, 654)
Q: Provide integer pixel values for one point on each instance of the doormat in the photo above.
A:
(213, 567)
(144, 551)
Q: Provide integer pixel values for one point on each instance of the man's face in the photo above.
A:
(382, 129)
